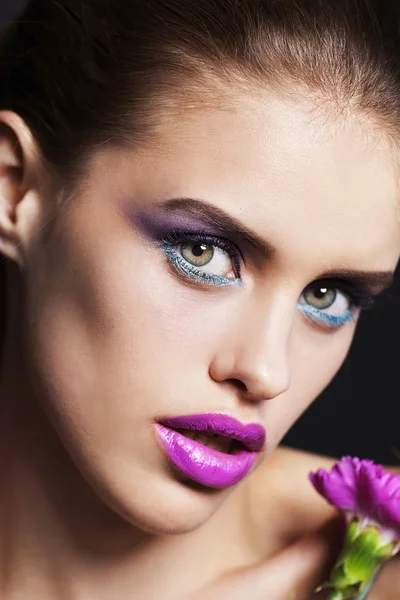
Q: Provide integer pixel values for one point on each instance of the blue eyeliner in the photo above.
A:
(170, 229)
(179, 263)
(331, 321)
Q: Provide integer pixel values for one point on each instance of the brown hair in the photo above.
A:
(89, 72)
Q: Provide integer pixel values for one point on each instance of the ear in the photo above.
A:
(21, 168)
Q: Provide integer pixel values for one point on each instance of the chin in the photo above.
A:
(167, 507)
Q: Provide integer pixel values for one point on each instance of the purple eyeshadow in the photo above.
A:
(159, 223)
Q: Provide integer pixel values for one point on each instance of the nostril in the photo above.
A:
(259, 390)
(237, 383)
(253, 375)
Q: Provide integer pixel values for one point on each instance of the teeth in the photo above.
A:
(216, 442)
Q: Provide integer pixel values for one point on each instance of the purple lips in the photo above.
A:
(206, 465)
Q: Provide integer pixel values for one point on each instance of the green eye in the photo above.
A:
(320, 296)
(197, 254)
(204, 258)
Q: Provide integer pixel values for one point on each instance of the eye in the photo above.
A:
(327, 304)
(207, 259)
(211, 259)
(329, 299)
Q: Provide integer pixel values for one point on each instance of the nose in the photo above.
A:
(254, 355)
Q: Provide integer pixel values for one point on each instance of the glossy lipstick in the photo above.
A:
(205, 465)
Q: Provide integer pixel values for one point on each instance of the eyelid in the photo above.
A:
(359, 297)
(358, 300)
(234, 252)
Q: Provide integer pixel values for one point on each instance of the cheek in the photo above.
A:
(315, 358)
(116, 337)
(115, 343)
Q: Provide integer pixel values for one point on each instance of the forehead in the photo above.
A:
(302, 177)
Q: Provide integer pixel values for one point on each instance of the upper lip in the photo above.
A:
(251, 435)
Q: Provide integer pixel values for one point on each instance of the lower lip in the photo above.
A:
(203, 464)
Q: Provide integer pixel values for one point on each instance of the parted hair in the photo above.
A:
(84, 73)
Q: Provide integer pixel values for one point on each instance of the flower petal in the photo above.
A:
(348, 468)
(391, 484)
(334, 489)
(370, 488)
(389, 513)
(363, 488)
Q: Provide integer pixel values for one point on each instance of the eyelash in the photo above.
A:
(174, 238)
(359, 300)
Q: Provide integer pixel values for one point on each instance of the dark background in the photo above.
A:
(359, 414)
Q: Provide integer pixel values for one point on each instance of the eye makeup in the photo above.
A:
(174, 239)
(170, 229)
(194, 215)
(158, 225)
(188, 222)
(358, 299)
(326, 319)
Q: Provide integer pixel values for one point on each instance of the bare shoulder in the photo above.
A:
(281, 487)
(287, 471)
(287, 463)
(285, 507)
(280, 491)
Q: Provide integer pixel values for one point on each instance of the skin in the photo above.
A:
(105, 337)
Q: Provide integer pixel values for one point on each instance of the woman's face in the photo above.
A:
(219, 269)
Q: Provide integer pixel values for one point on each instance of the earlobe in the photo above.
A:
(19, 158)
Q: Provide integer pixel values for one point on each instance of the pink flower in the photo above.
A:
(363, 490)
(370, 498)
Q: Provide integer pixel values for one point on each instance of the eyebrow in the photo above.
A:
(380, 280)
(216, 217)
